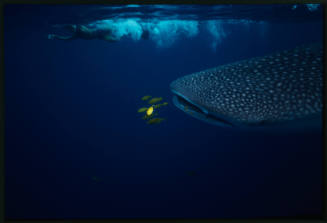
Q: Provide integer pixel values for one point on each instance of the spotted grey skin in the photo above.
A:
(276, 88)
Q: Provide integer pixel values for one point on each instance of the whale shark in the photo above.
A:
(281, 88)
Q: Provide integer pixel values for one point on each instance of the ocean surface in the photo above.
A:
(76, 146)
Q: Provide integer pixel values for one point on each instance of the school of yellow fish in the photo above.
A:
(151, 111)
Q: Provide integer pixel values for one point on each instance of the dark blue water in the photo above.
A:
(77, 148)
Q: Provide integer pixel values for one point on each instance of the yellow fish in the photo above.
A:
(149, 111)
(142, 110)
(146, 97)
(155, 121)
(159, 105)
(155, 100)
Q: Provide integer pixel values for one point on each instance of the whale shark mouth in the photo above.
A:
(198, 111)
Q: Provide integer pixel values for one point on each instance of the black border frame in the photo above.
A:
(168, 220)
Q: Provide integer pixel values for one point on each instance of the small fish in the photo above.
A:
(140, 110)
(146, 97)
(160, 105)
(155, 121)
(149, 111)
(155, 100)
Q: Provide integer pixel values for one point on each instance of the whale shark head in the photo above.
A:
(186, 98)
(274, 89)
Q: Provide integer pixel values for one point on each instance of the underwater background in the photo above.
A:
(76, 147)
